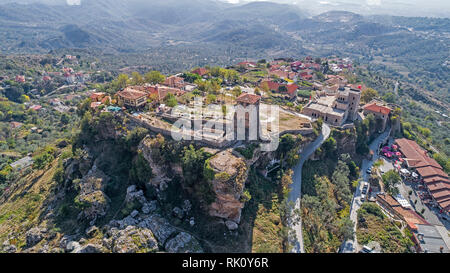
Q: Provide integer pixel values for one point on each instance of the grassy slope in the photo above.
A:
(24, 208)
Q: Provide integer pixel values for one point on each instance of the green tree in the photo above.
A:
(136, 78)
(237, 91)
(121, 81)
(211, 98)
(443, 161)
(140, 172)
(330, 146)
(391, 179)
(45, 157)
(170, 100)
(389, 97)
(193, 162)
(154, 77)
(368, 94)
(65, 119)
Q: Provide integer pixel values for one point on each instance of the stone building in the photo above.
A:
(379, 110)
(251, 115)
(335, 108)
(132, 97)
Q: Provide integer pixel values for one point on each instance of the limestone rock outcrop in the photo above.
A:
(228, 184)
(91, 195)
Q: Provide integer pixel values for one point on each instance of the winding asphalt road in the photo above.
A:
(352, 246)
(296, 188)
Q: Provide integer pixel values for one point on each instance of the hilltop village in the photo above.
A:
(130, 187)
(306, 90)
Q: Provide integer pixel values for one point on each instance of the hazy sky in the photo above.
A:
(394, 7)
(437, 8)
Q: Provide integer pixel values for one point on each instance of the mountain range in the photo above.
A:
(418, 46)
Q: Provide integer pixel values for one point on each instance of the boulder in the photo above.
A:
(149, 207)
(187, 206)
(34, 236)
(127, 221)
(10, 249)
(134, 213)
(92, 231)
(94, 201)
(177, 212)
(183, 243)
(132, 239)
(72, 246)
(89, 248)
(231, 225)
(135, 195)
(159, 226)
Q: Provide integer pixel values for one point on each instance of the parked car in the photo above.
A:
(363, 198)
(365, 188)
(366, 249)
(369, 170)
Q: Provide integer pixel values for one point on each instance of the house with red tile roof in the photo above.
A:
(132, 97)
(248, 65)
(394, 208)
(200, 71)
(97, 96)
(20, 78)
(35, 107)
(174, 82)
(379, 111)
(296, 66)
(287, 89)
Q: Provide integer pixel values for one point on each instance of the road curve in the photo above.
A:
(296, 188)
(351, 246)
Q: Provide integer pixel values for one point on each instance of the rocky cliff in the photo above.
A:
(230, 174)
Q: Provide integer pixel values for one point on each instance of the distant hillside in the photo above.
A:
(410, 49)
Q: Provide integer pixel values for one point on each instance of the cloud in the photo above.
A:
(73, 2)
(373, 2)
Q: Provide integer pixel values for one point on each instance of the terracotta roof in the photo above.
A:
(97, 95)
(131, 94)
(173, 81)
(95, 104)
(36, 107)
(410, 216)
(291, 88)
(248, 98)
(436, 179)
(442, 195)
(164, 91)
(374, 107)
(248, 63)
(438, 186)
(272, 85)
(430, 171)
(200, 71)
(415, 155)
(106, 99)
(445, 205)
